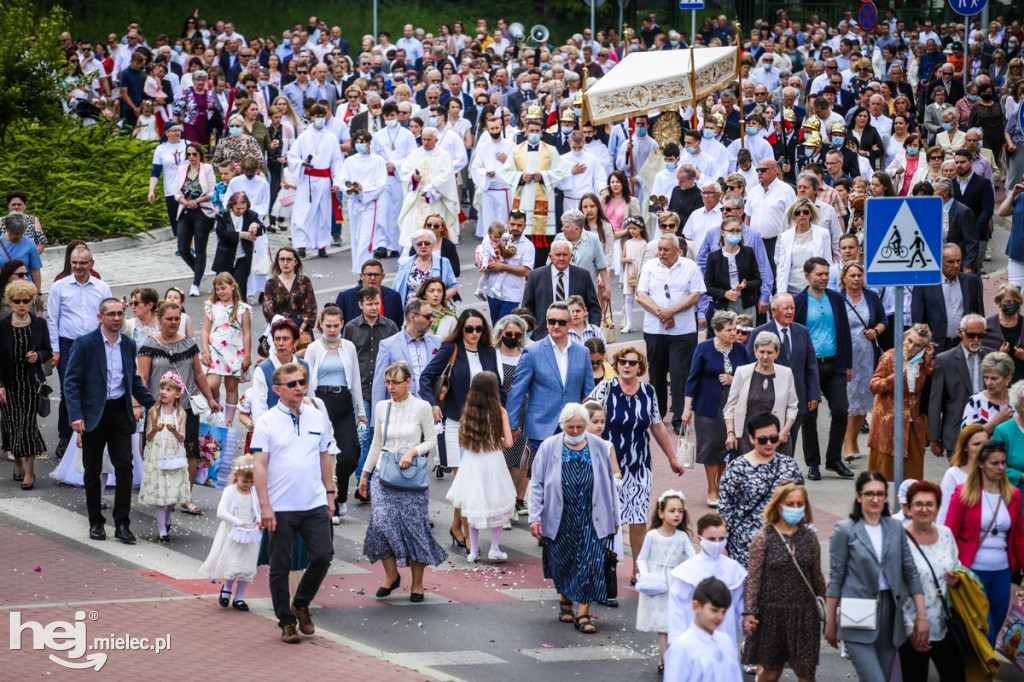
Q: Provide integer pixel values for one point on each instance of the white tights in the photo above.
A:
(627, 310)
(474, 540)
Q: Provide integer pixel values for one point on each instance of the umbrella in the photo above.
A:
(646, 81)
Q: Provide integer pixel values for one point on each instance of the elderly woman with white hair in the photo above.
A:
(760, 387)
(425, 263)
(574, 511)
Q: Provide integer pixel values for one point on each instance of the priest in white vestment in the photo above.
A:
(584, 173)
(493, 196)
(429, 185)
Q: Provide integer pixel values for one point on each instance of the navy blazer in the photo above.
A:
(928, 305)
(963, 231)
(539, 293)
(703, 385)
(85, 382)
(460, 377)
(844, 346)
(980, 198)
(800, 359)
(348, 301)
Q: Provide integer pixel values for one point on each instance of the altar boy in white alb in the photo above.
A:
(394, 144)
(702, 653)
(493, 196)
(364, 178)
(584, 173)
(316, 160)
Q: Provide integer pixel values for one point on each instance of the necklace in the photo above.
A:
(392, 139)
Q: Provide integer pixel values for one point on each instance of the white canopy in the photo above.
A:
(645, 81)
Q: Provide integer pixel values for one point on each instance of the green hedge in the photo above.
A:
(82, 182)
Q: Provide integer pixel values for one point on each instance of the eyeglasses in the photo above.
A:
(22, 274)
(21, 301)
(875, 494)
(435, 226)
(293, 383)
(923, 505)
(285, 259)
(763, 170)
(803, 211)
(731, 187)
(629, 363)
(560, 323)
(118, 313)
(423, 244)
(191, 154)
(974, 335)
(394, 382)
(596, 363)
(428, 316)
(478, 329)
(373, 274)
(764, 440)
(733, 231)
(934, 158)
(512, 335)
(302, 73)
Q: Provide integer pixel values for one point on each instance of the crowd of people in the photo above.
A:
(739, 220)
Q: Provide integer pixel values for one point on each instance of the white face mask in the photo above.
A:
(392, 123)
(712, 549)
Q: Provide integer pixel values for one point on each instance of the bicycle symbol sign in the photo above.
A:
(904, 240)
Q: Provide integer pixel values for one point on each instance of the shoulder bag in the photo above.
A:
(877, 349)
(608, 323)
(955, 626)
(412, 479)
(443, 382)
(819, 602)
(859, 613)
(653, 584)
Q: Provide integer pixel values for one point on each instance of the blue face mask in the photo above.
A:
(641, 131)
(177, 48)
(235, 130)
(634, 48)
(534, 138)
(670, 165)
(674, 43)
(432, 121)
(361, 147)
(734, 239)
(912, 151)
(708, 134)
(691, 150)
(917, 358)
(575, 440)
(837, 141)
(972, 98)
(793, 515)
(319, 123)
(947, 126)
(751, 131)
(578, 112)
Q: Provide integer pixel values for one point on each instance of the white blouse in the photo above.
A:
(411, 425)
(943, 557)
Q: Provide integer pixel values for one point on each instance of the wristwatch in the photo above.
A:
(332, 492)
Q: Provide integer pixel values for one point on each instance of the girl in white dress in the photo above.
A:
(666, 546)
(165, 472)
(145, 128)
(235, 548)
(483, 487)
(633, 245)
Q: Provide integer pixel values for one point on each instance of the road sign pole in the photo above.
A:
(593, 33)
(693, 27)
(897, 454)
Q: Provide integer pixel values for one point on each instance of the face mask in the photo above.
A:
(670, 165)
(332, 339)
(634, 48)
(691, 150)
(534, 138)
(708, 134)
(807, 151)
(361, 147)
(837, 141)
(674, 43)
(947, 126)
(575, 440)
(973, 98)
(235, 130)
(712, 549)
(319, 123)
(767, 66)
(578, 112)
(987, 97)
(641, 131)
(393, 123)
(526, 87)
(1011, 309)
(917, 358)
(734, 239)
(751, 131)
(793, 515)
(177, 48)
(432, 121)
(568, 129)
(912, 151)
(508, 342)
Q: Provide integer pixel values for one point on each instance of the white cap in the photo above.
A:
(904, 487)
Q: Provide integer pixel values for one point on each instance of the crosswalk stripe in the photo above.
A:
(444, 658)
(582, 653)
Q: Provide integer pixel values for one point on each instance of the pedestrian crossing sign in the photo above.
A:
(903, 241)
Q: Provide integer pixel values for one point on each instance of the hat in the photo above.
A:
(956, 46)
(789, 115)
(568, 116)
(170, 125)
(812, 123)
(812, 140)
(838, 129)
(534, 113)
(578, 99)
(718, 119)
(904, 487)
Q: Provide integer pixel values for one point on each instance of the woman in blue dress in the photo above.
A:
(633, 416)
(574, 512)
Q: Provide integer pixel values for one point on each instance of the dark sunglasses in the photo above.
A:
(512, 335)
(762, 170)
(764, 440)
(560, 323)
(21, 301)
(629, 363)
(435, 226)
(19, 274)
(293, 383)
(302, 73)
(974, 335)
(596, 363)
(478, 329)
(802, 211)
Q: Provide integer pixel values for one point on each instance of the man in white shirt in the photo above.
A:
(493, 196)
(766, 74)
(706, 166)
(123, 56)
(754, 142)
(879, 118)
(507, 277)
(633, 155)
(71, 309)
(668, 290)
(90, 64)
(295, 483)
(703, 221)
(766, 207)
(584, 173)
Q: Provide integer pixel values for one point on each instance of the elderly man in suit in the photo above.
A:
(957, 376)
(106, 397)
(556, 282)
(796, 352)
(959, 225)
(372, 119)
(551, 374)
(941, 306)
(372, 274)
(413, 344)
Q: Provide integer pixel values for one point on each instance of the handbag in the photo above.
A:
(443, 382)
(651, 584)
(261, 262)
(608, 323)
(263, 347)
(43, 400)
(611, 581)
(877, 349)
(412, 479)
(955, 626)
(819, 602)
(686, 449)
(858, 614)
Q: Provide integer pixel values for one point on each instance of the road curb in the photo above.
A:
(54, 256)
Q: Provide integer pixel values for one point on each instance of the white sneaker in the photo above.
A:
(194, 291)
(497, 555)
(471, 558)
(335, 520)
(343, 509)
(507, 525)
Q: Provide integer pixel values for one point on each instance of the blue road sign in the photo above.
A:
(698, 4)
(904, 241)
(968, 8)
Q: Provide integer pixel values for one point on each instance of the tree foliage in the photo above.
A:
(82, 182)
(32, 65)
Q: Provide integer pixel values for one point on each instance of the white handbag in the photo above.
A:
(651, 584)
(261, 261)
(858, 614)
(686, 449)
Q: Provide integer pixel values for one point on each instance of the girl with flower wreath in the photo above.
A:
(165, 473)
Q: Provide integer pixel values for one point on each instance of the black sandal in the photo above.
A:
(240, 605)
(565, 611)
(225, 597)
(584, 625)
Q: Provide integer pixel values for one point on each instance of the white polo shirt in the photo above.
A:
(667, 287)
(293, 445)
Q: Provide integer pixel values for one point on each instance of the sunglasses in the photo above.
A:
(423, 244)
(596, 363)
(764, 440)
(802, 211)
(762, 170)
(19, 274)
(478, 329)
(435, 226)
(293, 383)
(191, 154)
(629, 363)
(512, 335)
(302, 73)
(974, 335)
(560, 323)
(21, 301)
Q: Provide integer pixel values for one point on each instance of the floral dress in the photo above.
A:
(227, 348)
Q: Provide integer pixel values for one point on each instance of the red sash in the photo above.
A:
(326, 173)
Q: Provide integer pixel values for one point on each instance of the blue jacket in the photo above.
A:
(844, 346)
(85, 382)
(390, 351)
(394, 306)
(537, 376)
(460, 377)
(440, 267)
(703, 385)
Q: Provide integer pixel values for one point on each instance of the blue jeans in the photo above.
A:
(997, 588)
(364, 447)
(500, 308)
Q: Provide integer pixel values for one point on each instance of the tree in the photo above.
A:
(32, 64)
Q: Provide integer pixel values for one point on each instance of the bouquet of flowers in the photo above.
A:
(209, 450)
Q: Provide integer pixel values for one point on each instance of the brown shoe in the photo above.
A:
(305, 620)
(289, 635)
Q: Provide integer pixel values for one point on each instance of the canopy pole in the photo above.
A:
(693, 83)
(583, 109)
(739, 79)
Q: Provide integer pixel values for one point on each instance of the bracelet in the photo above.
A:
(732, 433)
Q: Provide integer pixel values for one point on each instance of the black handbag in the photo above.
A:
(43, 400)
(956, 629)
(611, 581)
